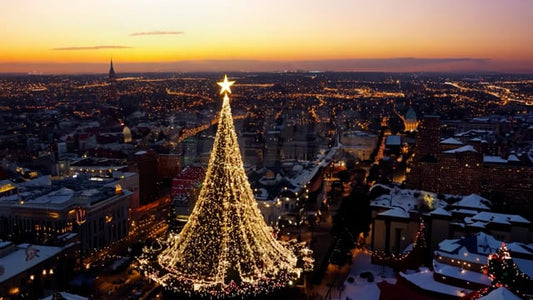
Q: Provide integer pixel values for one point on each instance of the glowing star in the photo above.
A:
(225, 85)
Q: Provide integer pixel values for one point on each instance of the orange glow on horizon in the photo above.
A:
(166, 31)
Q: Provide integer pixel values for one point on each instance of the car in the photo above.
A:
(350, 280)
(368, 275)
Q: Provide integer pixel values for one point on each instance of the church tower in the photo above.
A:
(112, 80)
(112, 76)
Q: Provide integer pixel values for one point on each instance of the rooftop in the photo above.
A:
(18, 261)
(393, 140)
(460, 273)
(473, 201)
(451, 141)
(494, 159)
(500, 293)
(493, 217)
(425, 281)
(466, 148)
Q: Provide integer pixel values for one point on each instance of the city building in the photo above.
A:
(396, 216)
(458, 267)
(437, 165)
(169, 165)
(184, 191)
(145, 164)
(97, 166)
(410, 122)
(26, 270)
(44, 209)
(358, 145)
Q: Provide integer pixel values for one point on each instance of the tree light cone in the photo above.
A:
(226, 242)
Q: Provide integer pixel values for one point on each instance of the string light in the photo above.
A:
(410, 259)
(226, 249)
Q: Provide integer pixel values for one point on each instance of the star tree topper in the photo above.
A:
(225, 85)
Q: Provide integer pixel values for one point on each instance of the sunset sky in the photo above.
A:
(66, 36)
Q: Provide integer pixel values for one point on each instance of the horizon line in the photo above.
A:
(391, 65)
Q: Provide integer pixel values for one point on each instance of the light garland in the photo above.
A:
(226, 249)
(410, 259)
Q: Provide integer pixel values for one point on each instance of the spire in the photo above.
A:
(112, 75)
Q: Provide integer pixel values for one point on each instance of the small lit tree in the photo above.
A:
(502, 271)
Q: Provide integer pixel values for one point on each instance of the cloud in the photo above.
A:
(91, 48)
(157, 32)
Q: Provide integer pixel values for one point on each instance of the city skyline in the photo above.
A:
(81, 37)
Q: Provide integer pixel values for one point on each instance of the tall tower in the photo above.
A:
(225, 249)
(424, 173)
(112, 76)
(112, 80)
(428, 138)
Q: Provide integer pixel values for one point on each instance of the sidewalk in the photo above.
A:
(333, 277)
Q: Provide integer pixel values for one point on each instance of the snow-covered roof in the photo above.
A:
(440, 212)
(449, 245)
(477, 247)
(451, 141)
(513, 158)
(16, 262)
(473, 201)
(358, 133)
(4, 244)
(459, 255)
(395, 212)
(39, 181)
(466, 148)
(424, 280)
(405, 198)
(500, 293)
(261, 194)
(472, 132)
(520, 248)
(525, 265)
(493, 217)
(5, 182)
(464, 211)
(477, 224)
(59, 196)
(393, 140)
(481, 119)
(494, 159)
(303, 176)
(460, 273)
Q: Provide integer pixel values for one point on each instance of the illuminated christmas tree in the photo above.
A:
(226, 249)
(502, 271)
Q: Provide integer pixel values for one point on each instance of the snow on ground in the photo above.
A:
(65, 296)
(360, 288)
